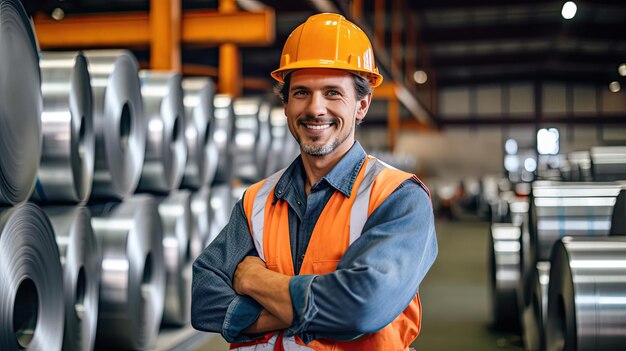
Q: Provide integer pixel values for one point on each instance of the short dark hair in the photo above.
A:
(361, 87)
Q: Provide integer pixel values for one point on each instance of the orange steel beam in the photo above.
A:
(203, 27)
(165, 22)
(229, 68)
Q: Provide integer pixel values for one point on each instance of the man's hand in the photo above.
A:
(246, 270)
(269, 288)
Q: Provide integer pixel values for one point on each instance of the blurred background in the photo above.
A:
(512, 112)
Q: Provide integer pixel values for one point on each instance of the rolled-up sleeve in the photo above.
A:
(397, 247)
(215, 306)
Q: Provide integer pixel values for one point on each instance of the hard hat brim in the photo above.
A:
(373, 77)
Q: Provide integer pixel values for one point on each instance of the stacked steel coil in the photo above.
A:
(504, 272)
(67, 160)
(175, 211)
(223, 136)
(132, 287)
(118, 120)
(558, 210)
(608, 163)
(31, 293)
(20, 104)
(587, 295)
(80, 256)
(165, 151)
(202, 152)
(246, 138)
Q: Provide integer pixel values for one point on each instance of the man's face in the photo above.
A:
(322, 110)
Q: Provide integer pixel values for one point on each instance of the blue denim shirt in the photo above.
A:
(375, 279)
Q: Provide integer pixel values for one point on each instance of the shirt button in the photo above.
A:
(280, 191)
(302, 257)
(299, 203)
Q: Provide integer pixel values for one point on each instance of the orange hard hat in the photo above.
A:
(329, 40)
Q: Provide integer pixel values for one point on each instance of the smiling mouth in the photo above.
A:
(317, 126)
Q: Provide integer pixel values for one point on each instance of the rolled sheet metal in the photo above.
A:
(202, 153)
(67, 160)
(578, 167)
(531, 313)
(608, 163)
(264, 141)
(572, 209)
(118, 121)
(175, 211)
(246, 138)
(284, 147)
(223, 137)
(166, 150)
(132, 288)
(587, 295)
(504, 274)
(618, 219)
(221, 206)
(81, 260)
(200, 214)
(20, 104)
(31, 288)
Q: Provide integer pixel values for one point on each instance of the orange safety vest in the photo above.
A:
(339, 224)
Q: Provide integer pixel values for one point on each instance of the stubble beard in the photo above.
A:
(323, 150)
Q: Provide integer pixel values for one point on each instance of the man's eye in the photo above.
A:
(299, 93)
(333, 93)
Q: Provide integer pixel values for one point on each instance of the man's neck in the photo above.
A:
(316, 167)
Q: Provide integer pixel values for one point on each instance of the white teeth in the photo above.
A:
(323, 126)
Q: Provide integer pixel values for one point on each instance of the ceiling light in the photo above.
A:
(569, 10)
(622, 70)
(420, 77)
(58, 14)
(615, 87)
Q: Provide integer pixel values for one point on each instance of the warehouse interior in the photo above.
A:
(121, 119)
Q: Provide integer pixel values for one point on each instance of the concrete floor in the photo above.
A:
(455, 295)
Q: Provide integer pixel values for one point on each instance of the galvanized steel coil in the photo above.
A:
(618, 219)
(175, 211)
(246, 138)
(166, 149)
(608, 163)
(284, 147)
(67, 159)
(561, 209)
(132, 287)
(535, 315)
(20, 104)
(587, 295)
(81, 260)
(31, 288)
(200, 214)
(221, 206)
(223, 137)
(504, 274)
(202, 154)
(118, 121)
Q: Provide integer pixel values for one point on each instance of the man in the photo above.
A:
(329, 253)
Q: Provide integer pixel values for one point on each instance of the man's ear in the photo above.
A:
(363, 106)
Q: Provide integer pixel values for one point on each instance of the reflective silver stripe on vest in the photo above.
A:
(258, 214)
(358, 213)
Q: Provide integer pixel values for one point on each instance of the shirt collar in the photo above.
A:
(341, 177)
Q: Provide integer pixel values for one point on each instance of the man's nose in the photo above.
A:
(317, 105)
